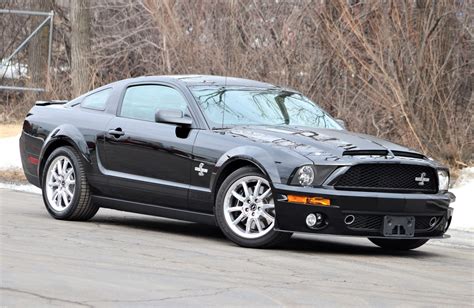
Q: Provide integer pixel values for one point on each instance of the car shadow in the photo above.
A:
(165, 225)
(318, 244)
(343, 245)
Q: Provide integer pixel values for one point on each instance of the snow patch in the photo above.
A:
(21, 187)
(10, 153)
(13, 70)
(463, 216)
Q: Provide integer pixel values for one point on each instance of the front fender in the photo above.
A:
(259, 157)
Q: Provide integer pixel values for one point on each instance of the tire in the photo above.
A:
(248, 220)
(64, 174)
(393, 244)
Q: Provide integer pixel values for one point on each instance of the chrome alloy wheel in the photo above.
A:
(60, 183)
(249, 209)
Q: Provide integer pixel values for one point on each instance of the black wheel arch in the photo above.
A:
(64, 135)
(230, 166)
(245, 156)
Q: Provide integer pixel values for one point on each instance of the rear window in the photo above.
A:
(97, 100)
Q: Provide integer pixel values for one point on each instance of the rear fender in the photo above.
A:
(64, 134)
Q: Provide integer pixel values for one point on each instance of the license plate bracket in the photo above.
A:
(399, 226)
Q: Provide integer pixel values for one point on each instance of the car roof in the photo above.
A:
(201, 80)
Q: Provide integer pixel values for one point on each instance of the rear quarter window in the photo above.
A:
(97, 100)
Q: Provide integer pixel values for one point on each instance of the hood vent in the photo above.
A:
(409, 154)
(366, 152)
(383, 153)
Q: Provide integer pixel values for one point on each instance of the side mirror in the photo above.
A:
(172, 116)
(341, 122)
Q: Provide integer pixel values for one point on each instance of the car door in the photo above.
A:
(146, 161)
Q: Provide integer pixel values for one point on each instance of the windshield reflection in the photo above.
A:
(231, 106)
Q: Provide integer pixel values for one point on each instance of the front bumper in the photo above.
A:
(368, 209)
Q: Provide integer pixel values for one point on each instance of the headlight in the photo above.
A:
(305, 175)
(443, 180)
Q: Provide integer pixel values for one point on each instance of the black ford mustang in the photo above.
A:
(258, 160)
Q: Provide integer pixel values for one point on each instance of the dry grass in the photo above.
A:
(9, 130)
(13, 176)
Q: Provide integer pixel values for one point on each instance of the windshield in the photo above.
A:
(250, 106)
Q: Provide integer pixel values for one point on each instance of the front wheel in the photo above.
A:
(245, 210)
(395, 244)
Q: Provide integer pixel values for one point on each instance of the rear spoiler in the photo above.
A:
(51, 102)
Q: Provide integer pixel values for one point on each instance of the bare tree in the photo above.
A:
(400, 70)
(38, 46)
(80, 40)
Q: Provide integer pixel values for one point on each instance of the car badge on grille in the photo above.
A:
(422, 179)
(200, 169)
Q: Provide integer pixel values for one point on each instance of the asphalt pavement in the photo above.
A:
(121, 259)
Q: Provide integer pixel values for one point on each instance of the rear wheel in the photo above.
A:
(66, 193)
(245, 210)
(395, 244)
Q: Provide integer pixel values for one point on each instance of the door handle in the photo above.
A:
(117, 133)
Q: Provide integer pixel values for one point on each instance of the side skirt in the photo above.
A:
(155, 210)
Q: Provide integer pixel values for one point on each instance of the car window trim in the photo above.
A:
(155, 83)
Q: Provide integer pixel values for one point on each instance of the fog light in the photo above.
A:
(316, 221)
(311, 220)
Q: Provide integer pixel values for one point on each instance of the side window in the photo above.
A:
(97, 100)
(142, 102)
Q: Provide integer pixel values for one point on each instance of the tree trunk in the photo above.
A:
(80, 37)
(38, 46)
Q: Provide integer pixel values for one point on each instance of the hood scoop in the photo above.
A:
(383, 153)
(366, 153)
(409, 154)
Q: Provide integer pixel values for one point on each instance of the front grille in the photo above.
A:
(375, 223)
(367, 222)
(389, 178)
(422, 223)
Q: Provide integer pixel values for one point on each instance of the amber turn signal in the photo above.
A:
(309, 200)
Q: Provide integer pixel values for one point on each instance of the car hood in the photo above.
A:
(318, 144)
